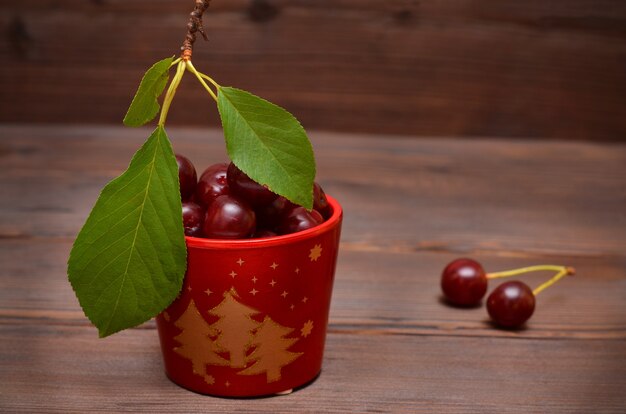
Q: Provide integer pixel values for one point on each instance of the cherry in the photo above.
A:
(317, 216)
(264, 233)
(229, 218)
(186, 176)
(212, 184)
(511, 304)
(464, 282)
(270, 215)
(320, 202)
(299, 219)
(249, 190)
(193, 218)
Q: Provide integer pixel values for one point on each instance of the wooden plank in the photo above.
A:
(514, 198)
(381, 293)
(393, 345)
(465, 68)
(67, 369)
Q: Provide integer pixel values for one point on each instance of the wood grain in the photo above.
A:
(517, 197)
(411, 206)
(70, 370)
(438, 68)
(387, 293)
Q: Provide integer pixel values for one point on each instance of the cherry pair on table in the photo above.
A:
(464, 283)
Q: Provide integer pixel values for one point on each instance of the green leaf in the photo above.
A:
(128, 261)
(145, 105)
(268, 143)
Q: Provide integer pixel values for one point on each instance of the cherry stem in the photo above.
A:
(207, 77)
(193, 26)
(565, 271)
(199, 75)
(522, 270)
(171, 91)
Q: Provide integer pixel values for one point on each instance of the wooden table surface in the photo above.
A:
(411, 205)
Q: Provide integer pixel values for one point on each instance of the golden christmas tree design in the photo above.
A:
(235, 327)
(235, 333)
(196, 344)
(271, 353)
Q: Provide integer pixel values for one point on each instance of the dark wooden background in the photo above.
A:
(506, 68)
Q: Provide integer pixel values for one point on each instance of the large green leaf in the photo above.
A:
(268, 143)
(145, 105)
(128, 261)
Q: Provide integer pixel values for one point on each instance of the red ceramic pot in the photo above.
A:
(252, 315)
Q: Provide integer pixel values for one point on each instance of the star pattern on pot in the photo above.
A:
(209, 379)
(315, 253)
(306, 328)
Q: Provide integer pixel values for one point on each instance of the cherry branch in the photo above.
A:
(194, 25)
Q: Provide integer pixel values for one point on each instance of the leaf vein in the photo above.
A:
(132, 246)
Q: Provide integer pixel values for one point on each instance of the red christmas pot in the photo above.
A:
(251, 318)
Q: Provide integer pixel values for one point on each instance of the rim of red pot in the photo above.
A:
(203, 243)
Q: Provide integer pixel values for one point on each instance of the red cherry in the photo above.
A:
(511, 304)
(269, 215)
(193, 218)
(229, 218)
(186, 176)
(320, 202)
(464, 282)
(264, 233)
(299, 219)
(246, 188)
(212, 184)
(317, 216)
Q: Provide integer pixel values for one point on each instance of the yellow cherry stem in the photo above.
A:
(522, 270)
(565, 271)
(171, 91)
(561, 272)
(198, 75)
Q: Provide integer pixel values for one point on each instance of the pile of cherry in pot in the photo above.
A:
(226, 204)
